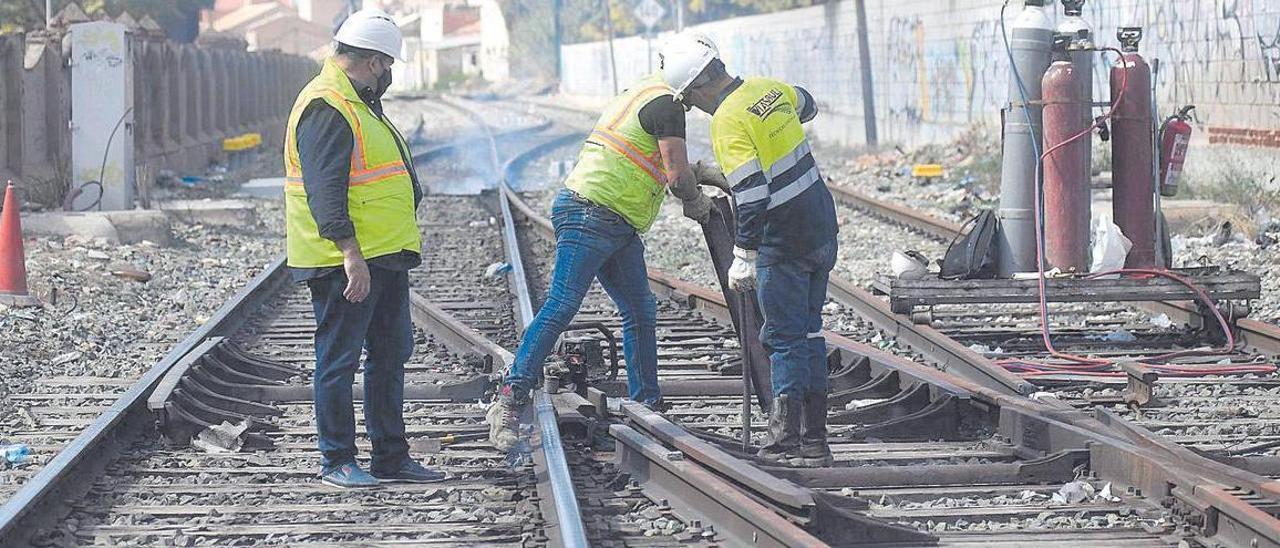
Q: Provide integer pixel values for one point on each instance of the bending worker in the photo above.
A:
(350, 201)
(785, 236)
(635, 151)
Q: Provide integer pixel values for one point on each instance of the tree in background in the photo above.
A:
(25, 15)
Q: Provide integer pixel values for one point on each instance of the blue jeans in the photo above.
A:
(381, 325)
(791, 294)
(594, 242)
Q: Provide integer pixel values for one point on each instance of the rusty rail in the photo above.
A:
(69, 474)
(1232, 507)
(1260, 336)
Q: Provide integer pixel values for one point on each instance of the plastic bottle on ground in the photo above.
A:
(16, 453)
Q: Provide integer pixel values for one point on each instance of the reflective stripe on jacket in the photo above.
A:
(619, 166)
(783, 206)
(380, 195)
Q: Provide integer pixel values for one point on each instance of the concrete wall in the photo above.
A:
(939, 65)
(187, 99)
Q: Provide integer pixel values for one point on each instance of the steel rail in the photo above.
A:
(1236, 516)
(68, 475)
(1131, 455)
(1256, 335)
(557, 499)
(450, 146)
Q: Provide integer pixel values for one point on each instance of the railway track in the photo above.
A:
(924, 456)
(1225, 416)
(253, 360)
(1257, 334)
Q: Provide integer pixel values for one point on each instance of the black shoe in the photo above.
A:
(784, 432)
(814, 450)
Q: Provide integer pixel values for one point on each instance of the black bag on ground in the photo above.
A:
(971, 254)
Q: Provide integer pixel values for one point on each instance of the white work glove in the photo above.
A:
(742, 273)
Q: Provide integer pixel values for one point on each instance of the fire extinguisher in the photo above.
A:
(1175, 134)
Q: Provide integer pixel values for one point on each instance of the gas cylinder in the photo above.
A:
(1082, 52)
(1133, 185)
(1175, 135)
(1066, 168)
(1031, 38)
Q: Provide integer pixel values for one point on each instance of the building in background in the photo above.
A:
(301, 27)
(322, 12)
(495, 42)
(442, 44)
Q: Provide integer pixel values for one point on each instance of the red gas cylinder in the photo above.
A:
(1133, 184)
(1066, 171)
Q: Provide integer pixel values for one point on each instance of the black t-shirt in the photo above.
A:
(662, 117)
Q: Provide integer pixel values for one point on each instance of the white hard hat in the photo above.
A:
(683, 57)
(372, 29)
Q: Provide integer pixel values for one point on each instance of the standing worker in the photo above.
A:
(351, 196)
(786, 231)
(613, 194)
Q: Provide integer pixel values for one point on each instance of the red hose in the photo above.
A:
(1088, 366)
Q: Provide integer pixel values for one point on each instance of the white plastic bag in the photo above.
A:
(1110, 246)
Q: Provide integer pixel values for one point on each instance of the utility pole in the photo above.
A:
(679, 4)
(48, 14)
(556, 7)
(613, 61)
(868, 86)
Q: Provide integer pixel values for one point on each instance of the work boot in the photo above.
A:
(814, 450)
(784, 432)
(504, 417)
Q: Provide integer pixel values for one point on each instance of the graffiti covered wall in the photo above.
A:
(939, 66)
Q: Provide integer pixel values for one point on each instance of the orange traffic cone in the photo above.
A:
(13, 267)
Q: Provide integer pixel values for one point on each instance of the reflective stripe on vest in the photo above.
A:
(621, 146)
(620, 166)
(756, 131)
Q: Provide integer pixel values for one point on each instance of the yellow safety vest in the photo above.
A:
(782, 205)
(757, 130)
(619, 166)
(380, 195)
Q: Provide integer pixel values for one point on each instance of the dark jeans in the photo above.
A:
(791, 294)
(594, 242)
(381, 325)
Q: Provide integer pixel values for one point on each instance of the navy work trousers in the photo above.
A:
(380, 325)
(791, 294)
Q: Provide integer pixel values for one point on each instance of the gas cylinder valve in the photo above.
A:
(1129, 38)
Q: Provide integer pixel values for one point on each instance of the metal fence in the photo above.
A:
(187, 99)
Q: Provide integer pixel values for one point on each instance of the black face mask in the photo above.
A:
(379, 88)
(384, 82)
